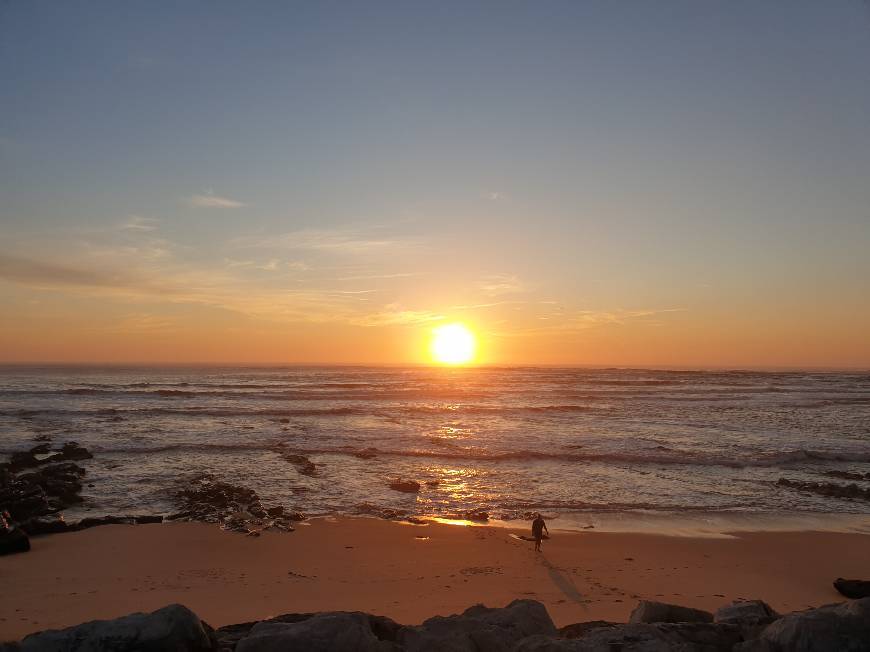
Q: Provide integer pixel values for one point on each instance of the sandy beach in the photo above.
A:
(408, 572)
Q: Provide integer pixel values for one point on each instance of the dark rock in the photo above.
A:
(478, 515)
(275, 512)
(648, 611)
(36, 525)
(855, 589)
(830, 489)
(171, 628)
(229, 635)
(23, 460)
(96, 521)
(576, 630)
(405, 486)
(843, 627)
(295, 516)
(12, 541)
(302, 463)
(144, 520)
(848, 475)
(41, 449)
(642, 637)
(366, 453)
(323, 632)
(746, 612)
(73, 451)
(479, 629)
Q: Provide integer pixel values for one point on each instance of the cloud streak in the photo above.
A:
(213, 201)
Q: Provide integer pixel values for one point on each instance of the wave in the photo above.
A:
(346, 410)
(658, 457)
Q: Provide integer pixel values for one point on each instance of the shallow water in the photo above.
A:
(580, 445)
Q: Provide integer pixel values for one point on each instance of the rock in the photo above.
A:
(302, 463)
(173, 628)
(854, 589)
(844, 627)
(70, 451)
(848, 475)
(366, 453)
(746, 612)
(831, 489)
(96, 521)
(477, 515)
(144, 520)
(405, 486)
(479, 629)
(648, 611)
(642, 637)
(73, 451)
(40, 525)
(576, 630)
(324, 632)
(275, 512)
(12, 541)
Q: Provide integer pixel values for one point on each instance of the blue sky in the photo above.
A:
(616, 177)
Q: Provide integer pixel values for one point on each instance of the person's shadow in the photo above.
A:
(563, 582)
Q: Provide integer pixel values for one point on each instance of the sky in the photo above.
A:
(675, 184)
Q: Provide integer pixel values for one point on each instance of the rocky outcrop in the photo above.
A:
(44, 454)
(831, 489)
(648, 611)
(848, 475)
(171, 628)
(405, 486)
(236, 508)
(39, 483)
(855, 589)
(479, 629)
(843, 627)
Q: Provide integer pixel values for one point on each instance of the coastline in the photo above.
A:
(410, 572)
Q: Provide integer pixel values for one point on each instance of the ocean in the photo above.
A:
(607, 448)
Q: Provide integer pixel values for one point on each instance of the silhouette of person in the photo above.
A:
(538, 529)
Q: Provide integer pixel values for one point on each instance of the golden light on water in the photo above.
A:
(453, 344)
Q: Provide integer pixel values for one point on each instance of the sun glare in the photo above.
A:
(453, 344)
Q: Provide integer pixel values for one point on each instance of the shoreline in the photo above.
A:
(410, 572)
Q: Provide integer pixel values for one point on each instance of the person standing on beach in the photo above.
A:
(538, 529)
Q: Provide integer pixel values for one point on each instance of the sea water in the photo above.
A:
(616, 448)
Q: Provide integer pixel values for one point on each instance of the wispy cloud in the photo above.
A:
(497, 284)
(393, 314)
(213, 201)
(339, 240)
(139, 223)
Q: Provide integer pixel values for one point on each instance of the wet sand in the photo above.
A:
(386, 568)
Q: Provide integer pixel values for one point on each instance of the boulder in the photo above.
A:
(12, 541)
(95, 521)
(73, 451)
(479, 629)
(405, 486)
(576, 630)
(746, 612)
(642, 637)
(148, 518)
(844, 627)
(174, 628)
(648, 611)
(323, 632)
(855, 589)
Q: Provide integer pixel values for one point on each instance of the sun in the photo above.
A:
(453, 344)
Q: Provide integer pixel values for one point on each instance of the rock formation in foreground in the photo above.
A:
(522, 626)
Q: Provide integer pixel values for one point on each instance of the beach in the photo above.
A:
(409, 572)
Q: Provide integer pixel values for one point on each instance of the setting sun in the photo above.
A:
(453, 344)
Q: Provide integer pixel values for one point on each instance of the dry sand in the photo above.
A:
(385, 568)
